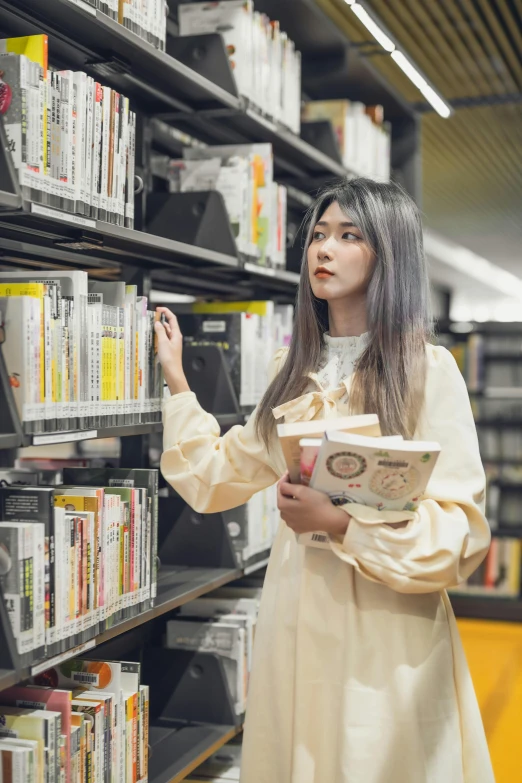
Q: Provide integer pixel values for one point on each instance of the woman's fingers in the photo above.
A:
(172, 322)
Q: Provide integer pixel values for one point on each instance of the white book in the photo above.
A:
(16, 569)
(290, 435)
(378, 472)
(15, 762)
(89, 142)
(21, 349)
(223, 639)
(39, 586)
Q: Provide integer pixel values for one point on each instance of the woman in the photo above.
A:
(359, 675)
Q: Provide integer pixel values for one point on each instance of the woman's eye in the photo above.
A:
(318, 235)
(350, 236)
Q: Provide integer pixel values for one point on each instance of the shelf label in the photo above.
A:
(63, 437)
(67, 217)
(50, 662)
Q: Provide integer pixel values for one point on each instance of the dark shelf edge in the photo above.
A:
(228, 734)
(11, 677)
(480, 607)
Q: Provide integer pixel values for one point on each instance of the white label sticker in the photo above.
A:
(214, 326)
(37, 209)
(64, 437)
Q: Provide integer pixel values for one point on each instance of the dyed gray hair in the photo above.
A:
(390, 375)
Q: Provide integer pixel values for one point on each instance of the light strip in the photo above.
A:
(440, 106)
(419, 81)
(168, 297)
(372, 27)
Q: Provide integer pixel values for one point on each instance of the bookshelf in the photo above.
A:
(483, 350)
(190, 88)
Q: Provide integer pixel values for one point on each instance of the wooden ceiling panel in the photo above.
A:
(468, 49)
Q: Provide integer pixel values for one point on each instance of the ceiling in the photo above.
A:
(472, 162)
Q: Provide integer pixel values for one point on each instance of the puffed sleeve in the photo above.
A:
(443, 542)
(214, 472)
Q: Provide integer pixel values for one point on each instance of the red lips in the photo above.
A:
(323, 271)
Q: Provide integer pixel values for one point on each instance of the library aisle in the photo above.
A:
(494, 653)
(163, 154)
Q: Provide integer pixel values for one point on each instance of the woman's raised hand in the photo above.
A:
(170, 350)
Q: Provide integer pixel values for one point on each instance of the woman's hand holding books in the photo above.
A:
(170, 350)
(304, 509)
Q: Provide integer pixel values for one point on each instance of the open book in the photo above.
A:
(383, 472)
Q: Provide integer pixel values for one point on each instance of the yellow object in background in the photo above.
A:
(34, 47)
(494, 653)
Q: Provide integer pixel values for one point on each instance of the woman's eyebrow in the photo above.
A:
(344, 224)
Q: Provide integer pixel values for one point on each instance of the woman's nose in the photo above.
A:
(326, 249)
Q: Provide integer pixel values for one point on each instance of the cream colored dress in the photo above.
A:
(359, 675)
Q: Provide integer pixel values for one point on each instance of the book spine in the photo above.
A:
(39, 585)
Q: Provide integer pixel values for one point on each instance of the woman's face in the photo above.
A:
(340, 262)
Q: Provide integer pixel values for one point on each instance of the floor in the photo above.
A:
(494, 652)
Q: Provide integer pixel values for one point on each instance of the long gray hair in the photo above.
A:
(390, 376)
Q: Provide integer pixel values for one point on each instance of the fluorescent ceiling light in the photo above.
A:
(372, 27)
(474, 266)
(440, 106)
(419, 81)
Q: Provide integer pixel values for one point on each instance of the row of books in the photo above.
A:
(265, 63)
(254, 526)
(224, 624)
(500, 444)
(363, 136)
(469, 356)
(499, 574)
(244, 175)
(83, 721)
(146, 18)
(248, 332)
(72, 140)
(79, 354)
(78, 558)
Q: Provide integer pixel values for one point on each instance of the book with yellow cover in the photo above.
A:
(34, 47)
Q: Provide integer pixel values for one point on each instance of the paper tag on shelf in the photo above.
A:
(63, 437)
(68, 217)
(50, 662)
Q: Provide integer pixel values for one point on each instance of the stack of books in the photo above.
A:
(225, 626)
(79, 354)
(146, 18)
(77, 559)
(363, 136)
(348, 460)
(264, 60)
(249, 334)
(84, 720)
(72, 140)
(256, 205)
(500, 573)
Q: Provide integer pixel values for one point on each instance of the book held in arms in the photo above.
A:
(386, 473)
(72, 140)
(79, 355)
(291, 434)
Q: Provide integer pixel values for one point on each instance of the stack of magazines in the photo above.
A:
(349, 465)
